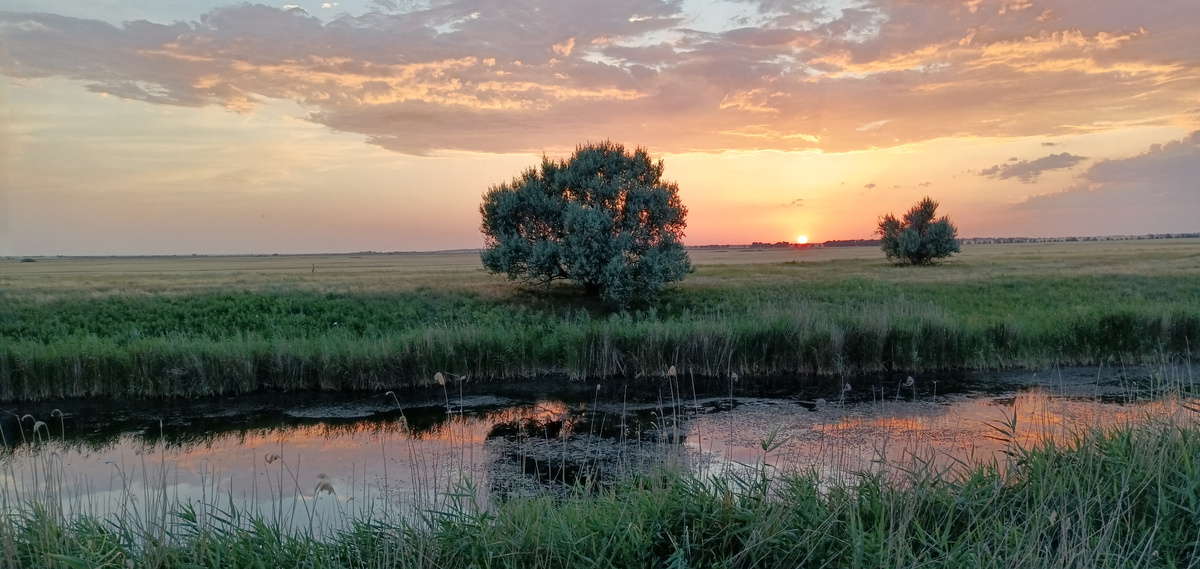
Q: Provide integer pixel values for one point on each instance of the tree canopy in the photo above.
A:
(919, 238)
(603, 218)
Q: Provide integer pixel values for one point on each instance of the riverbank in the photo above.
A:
(1119, 497)
(178, 327)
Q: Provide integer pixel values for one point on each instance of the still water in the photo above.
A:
(308, 458)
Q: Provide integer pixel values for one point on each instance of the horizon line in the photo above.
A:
(862, 242)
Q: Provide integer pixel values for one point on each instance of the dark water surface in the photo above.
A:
(304, 456)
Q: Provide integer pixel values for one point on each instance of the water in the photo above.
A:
(310, 458)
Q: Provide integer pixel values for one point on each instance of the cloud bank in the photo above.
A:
(531, 75)
(1158, 189)
(1028, 172)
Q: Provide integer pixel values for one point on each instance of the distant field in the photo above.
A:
(196, 325)
(375, 272)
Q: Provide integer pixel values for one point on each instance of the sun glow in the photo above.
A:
(802, 239)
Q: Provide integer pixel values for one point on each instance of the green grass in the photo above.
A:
(1003, 307)
(1124, 497)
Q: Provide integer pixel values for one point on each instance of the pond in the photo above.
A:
(310, 458)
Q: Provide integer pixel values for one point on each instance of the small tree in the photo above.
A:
(603, 218)
(919, 239)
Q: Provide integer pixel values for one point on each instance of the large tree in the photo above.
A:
(603, 218)
(920, 238)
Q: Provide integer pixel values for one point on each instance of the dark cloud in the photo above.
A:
(794, 203)
(523, 75)
(870, 186)
(1157, 191)
(1027, 171)
(1047, 144)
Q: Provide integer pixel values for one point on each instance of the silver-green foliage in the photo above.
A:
(603, 218)
(919, 238)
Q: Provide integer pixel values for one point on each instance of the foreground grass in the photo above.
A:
(134, 332)
(1124, 497)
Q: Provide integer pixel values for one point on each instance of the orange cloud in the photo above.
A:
(564, 48)
(817, 77)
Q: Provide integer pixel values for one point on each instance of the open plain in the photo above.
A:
(381, 272)
(167, 326)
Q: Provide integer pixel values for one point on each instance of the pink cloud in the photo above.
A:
(528, 75)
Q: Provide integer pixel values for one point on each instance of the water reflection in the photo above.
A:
(946, 431)
(313, 457)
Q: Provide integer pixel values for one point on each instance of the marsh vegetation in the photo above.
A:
(703, 471)
(1066, 480)
(164, 327)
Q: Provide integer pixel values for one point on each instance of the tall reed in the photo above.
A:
(1125, 496)
(216, 343)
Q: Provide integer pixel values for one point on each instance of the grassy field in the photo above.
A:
(1125, 497)
(204, 325)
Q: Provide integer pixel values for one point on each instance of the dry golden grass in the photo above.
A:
(183, 275)
(373, 272)
(833, 266)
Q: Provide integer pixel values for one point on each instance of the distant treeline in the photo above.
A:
(965, 240)
(854, 243)
(987, 240)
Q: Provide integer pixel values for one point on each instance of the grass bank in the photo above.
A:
(1123, 497)
(140, 333)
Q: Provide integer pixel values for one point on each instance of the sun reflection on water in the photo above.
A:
(408, 460)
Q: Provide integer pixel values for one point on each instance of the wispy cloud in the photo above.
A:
(1028, 171)
(872, 125)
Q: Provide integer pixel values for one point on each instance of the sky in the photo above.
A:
(138, 127)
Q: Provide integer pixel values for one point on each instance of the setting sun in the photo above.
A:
(802, 239)
(240, 147)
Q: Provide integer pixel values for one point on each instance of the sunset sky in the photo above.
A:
(180, 126)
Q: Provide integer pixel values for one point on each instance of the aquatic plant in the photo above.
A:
(1117, 497)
